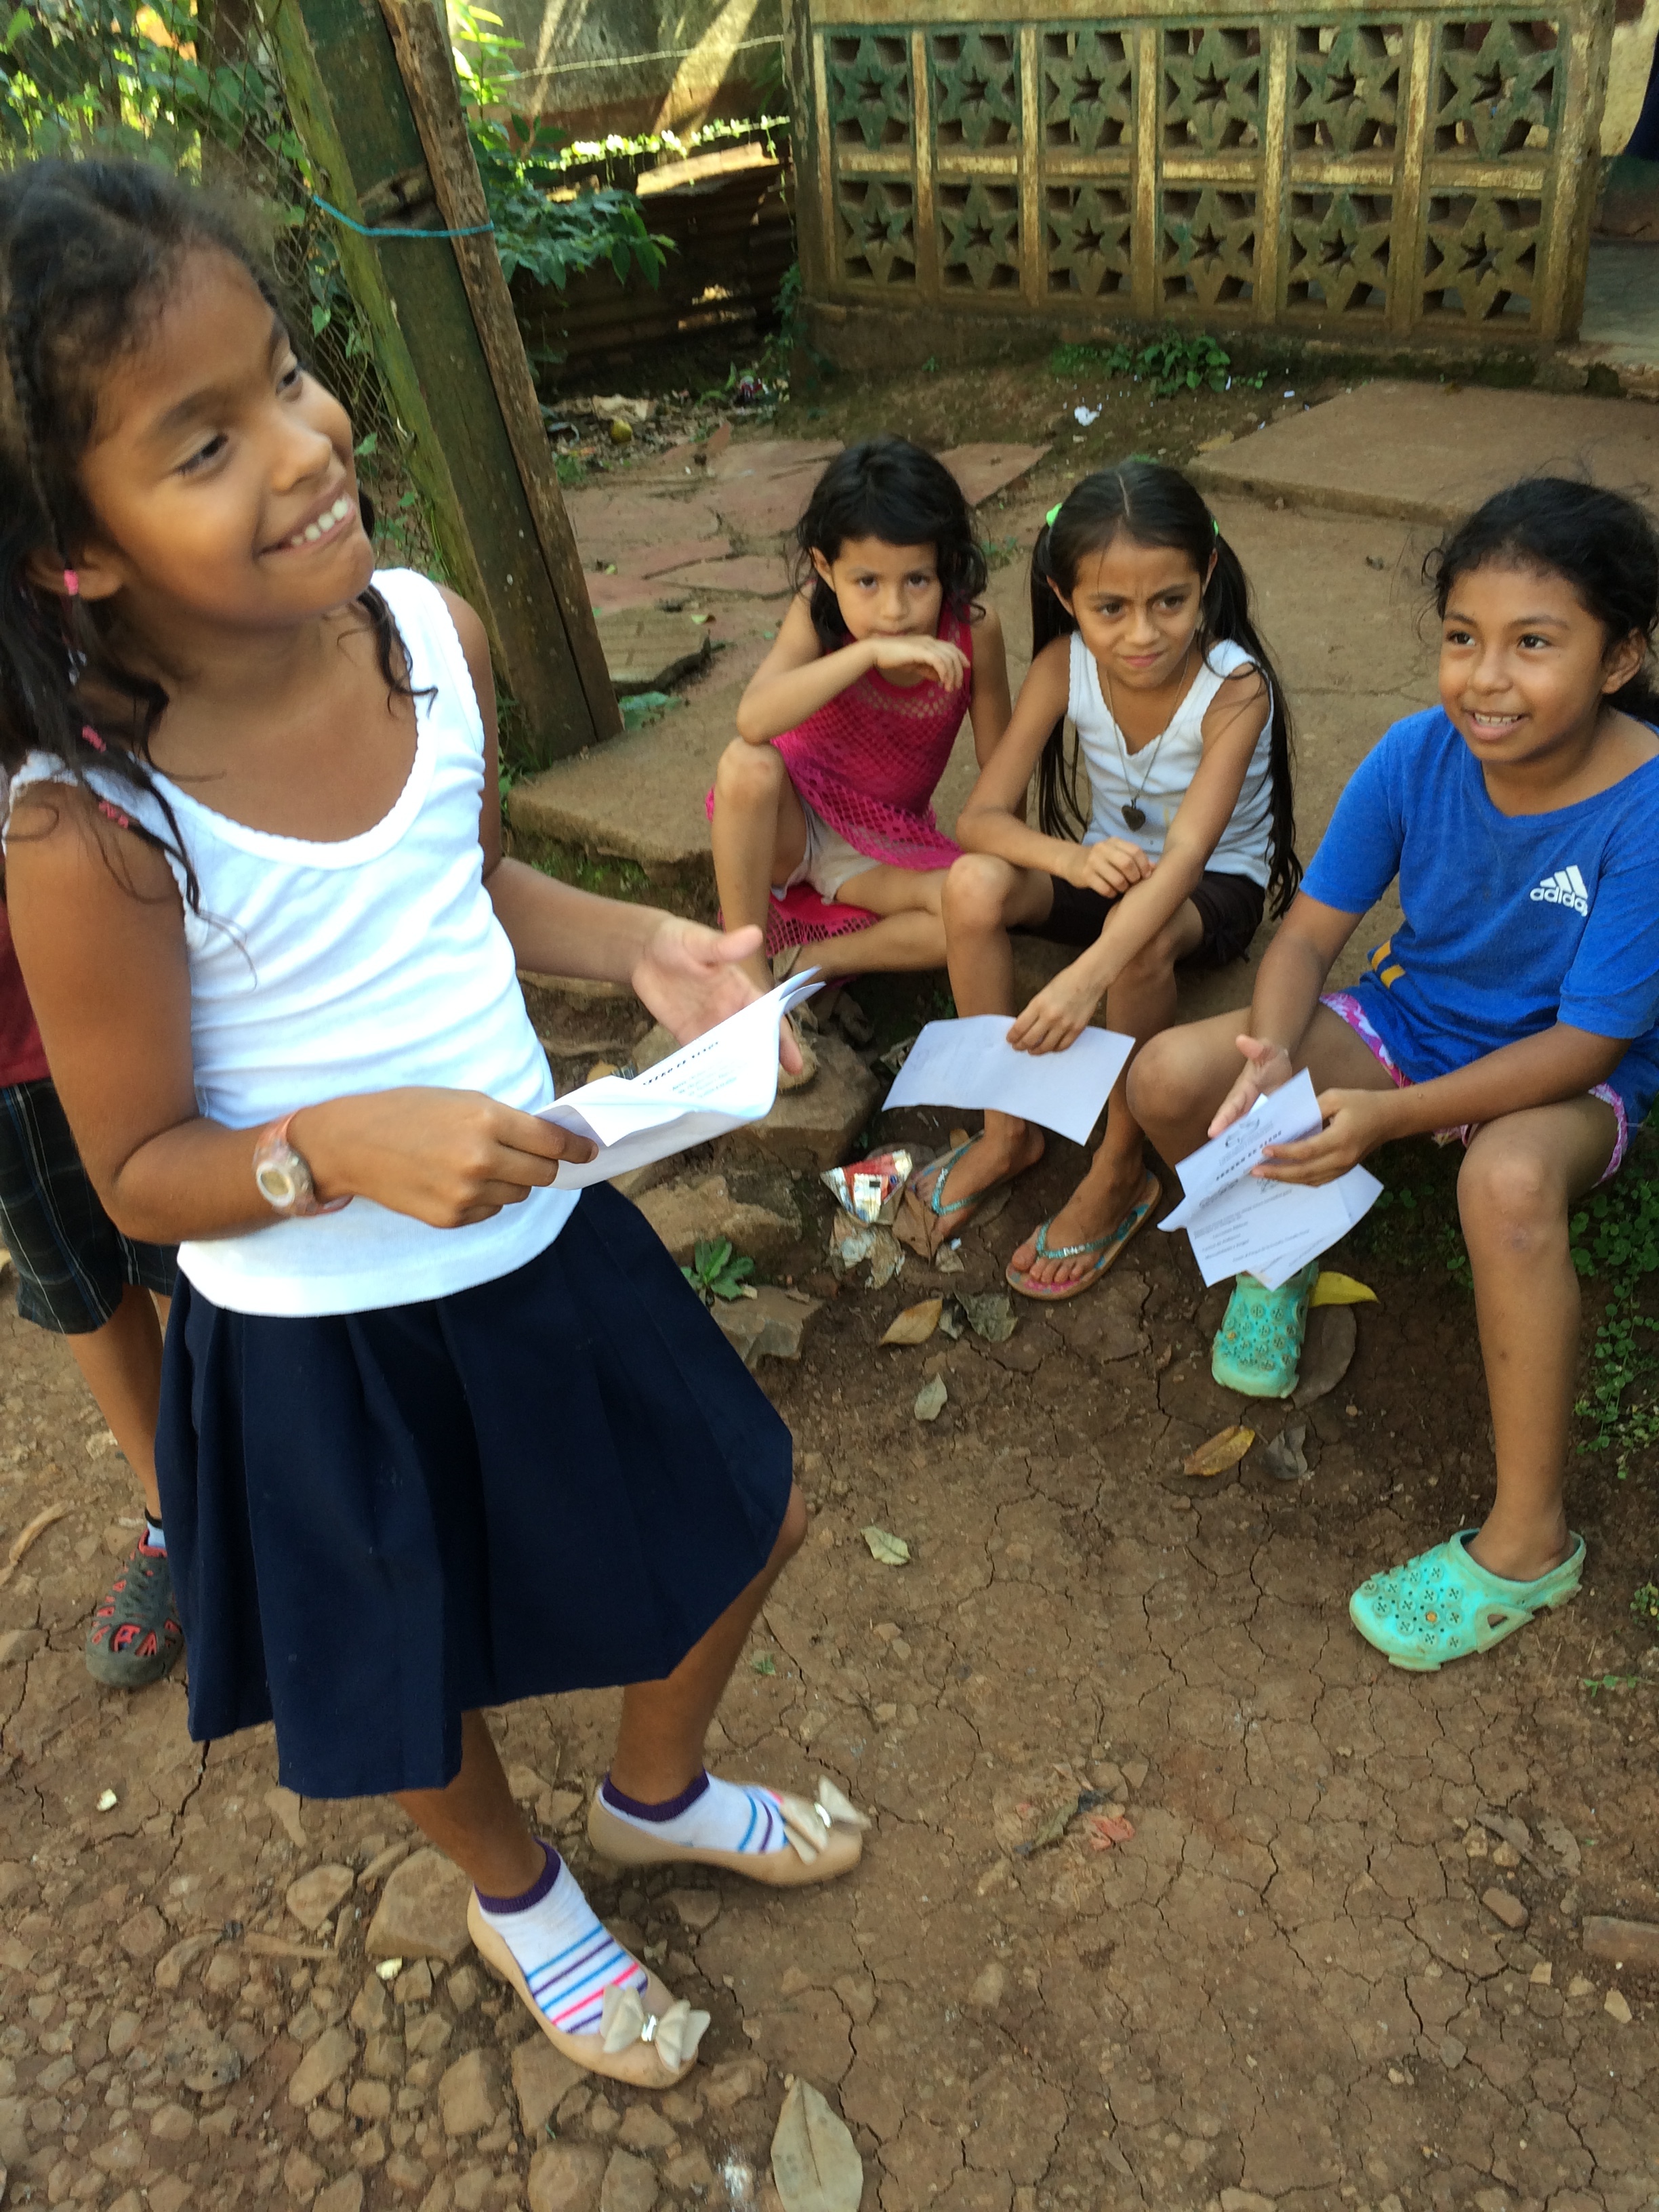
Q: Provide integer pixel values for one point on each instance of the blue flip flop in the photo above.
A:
(1104, 1249)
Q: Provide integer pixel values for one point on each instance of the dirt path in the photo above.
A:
(1285, 1983)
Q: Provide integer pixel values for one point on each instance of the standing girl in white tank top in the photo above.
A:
(435, 1435)
(1140, 633)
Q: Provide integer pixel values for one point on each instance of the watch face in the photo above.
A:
(277, 1183)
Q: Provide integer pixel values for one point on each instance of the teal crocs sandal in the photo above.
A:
(1258, 1347)
(1444, 1604)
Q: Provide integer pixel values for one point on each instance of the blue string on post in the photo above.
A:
(395, 230)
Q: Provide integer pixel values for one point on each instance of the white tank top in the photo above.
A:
(321, 970)
(1156, 779)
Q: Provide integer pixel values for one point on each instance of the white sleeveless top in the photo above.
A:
(1156, 779)
(319, 971)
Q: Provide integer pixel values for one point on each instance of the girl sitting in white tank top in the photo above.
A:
(1141, 633)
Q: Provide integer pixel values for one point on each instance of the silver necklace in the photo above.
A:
(1131, 811)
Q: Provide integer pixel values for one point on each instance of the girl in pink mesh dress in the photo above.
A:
(824, 829)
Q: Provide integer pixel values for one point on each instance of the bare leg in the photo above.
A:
(758, 836)
(908, 932)
(984, 899)
(1141, 1004)
(1179, 1077)
(474, 1820)
(121, 1365)
(1518, 1181)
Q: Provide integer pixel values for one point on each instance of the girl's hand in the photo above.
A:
(1355, 1123)
(1265, 1066)
(1060, 1012)
(690, 978)
(1111, 867)
(447, 1157)
(928, 656)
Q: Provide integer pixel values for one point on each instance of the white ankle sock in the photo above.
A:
(712, 1815)
(565, 1953)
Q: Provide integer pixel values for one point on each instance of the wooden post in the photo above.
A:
(375, 100)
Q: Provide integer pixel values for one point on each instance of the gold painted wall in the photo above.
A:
(1384, 175)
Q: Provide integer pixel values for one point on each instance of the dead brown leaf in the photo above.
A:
(1222, 1450)
(916, 1324)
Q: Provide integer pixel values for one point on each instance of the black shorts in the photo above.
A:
(73, 1263)
(1231, 908)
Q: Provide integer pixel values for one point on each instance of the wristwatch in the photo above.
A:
(283, 1174)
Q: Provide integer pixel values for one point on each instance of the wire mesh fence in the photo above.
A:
(194, 84)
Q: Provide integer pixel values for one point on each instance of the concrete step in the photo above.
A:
(1428, 453)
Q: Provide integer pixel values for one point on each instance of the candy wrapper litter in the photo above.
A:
(870, 1190)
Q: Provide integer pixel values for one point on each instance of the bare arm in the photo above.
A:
(798, 676)
(993, 821)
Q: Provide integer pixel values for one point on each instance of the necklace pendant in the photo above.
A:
(1134, 815)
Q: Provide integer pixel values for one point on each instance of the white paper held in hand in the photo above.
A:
(1241, 1223)
(727, 1076)
(970, 1063)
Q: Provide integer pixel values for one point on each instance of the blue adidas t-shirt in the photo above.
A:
(1512, 922)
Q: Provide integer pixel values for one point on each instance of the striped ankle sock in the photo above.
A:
(564, 1952)
(711, 1816)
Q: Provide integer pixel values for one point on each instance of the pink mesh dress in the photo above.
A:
(868, 762)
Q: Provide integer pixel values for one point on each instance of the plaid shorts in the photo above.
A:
(72, 1263)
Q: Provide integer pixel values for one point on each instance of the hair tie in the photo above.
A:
(1048, 519)
(72, 583)
(1215, 526)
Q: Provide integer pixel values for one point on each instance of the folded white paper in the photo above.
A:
(971, 1063)
(1241, 1223)
(722, 1079)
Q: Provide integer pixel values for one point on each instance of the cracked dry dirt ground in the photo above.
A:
(1284, 1984)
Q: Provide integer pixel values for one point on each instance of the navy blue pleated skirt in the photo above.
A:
(378, 1522)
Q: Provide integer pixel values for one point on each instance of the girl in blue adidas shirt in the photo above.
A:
(1516, 1007)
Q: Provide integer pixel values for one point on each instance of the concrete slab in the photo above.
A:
(611, 520)
(764, 507)
(1427, 454)
(983, 470)
(761, 576)
(673, 553)
(647, 649)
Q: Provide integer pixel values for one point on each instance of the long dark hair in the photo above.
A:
(1600, 542)
(1153, 505)
(887, 488)
(88, 250)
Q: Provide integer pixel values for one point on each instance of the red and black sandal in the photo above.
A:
(135, 1636)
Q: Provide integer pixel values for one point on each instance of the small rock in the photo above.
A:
(1543, 1973)
(541, 2076)
(322, 2066)
(566, 2178)
(1500, 1903)
(407, 2176)
(196, 2054)
(413, 1985)
(603, 2119)
(687, 1214)
(689, 2172)
(317, 1895)
(1327, 1352)
(564, 1805)
(172, 1965)
(172, 2123)
(1615, 2005)
(465, 2096)
(429, 2034)
(463, 1989)
(142, 1933)
(368, 2150)
(814, 1128)
(170, 2194)
(1559, 1839)
(644, 2130)
(629, 2185)
(423, 1910)
(302, 2175)
(372, 2007)
(17, 1645)
(369, 2100)
(1246, 2200)
(524, 1785)
(990, 1985)
(699, 1909)
(1626, 1942)
(730, 2083)
(383, 2056)
(930, 1399)
(769, 1326)
(1134, 1773)
(345, 2195)
(123, 2032)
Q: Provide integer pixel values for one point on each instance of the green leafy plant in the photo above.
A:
(1615, 1237)
(717, 1271)
(1172, 361)
(541, 226)
(1644, 1605)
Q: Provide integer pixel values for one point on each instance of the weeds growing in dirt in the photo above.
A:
(1172, 361)
(1615, 1239)
(716, 1271)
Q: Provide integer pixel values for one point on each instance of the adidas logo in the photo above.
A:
(1564, 888)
